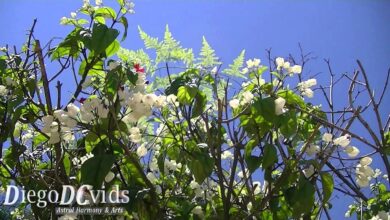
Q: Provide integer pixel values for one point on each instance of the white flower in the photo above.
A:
(304, 87)
(286, 65)
(365, 171)
(362, 182)
(142, 151)
(308, 172)
(151, 177)
(149, 99)
(160, 101)
(3, 91)
(241, 174)
(343, 141)
(296, 69)
(9, 81)
(245, 70)
(308, 92)
(226, 155)
(279, 62)
(310, 82)
(234, 103)
(109, 177)
(135, 138)
(365, 161)
(383, 215)
(134, 130)
(252, 63)
(249, 206)
(54, 138)
(312, 149)
(88, 82)
(352, 151)
(73, 110)
(378, 172)
(257, 187)
(279, 105)
(197, 210)
(171, 98)
(73, 14)
(113, 65)
(246, 97)
(67, 134)
(98, 2)
(194, 185)
(214, 71)
(102, 111)
(153, 165)
(63, 20)
(327, 137)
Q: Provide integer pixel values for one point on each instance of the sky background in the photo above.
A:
(340, 30)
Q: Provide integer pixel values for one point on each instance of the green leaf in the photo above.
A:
(95, 169)
(150, 42)
(112, 84)
(113, 48)
(102, 37)
(234, 69)
(91, 140)
(270, 156)
(291, 98)
(105, 12)
(201, 165)
(96, 70)
(199, 105)
(125, 23)
(253, 162)
(301, 198)
(327, 186)
(207, 55)
(67, 164)
(132, 77)
(265, 108)
(289, 124)
(69, 47)
(175, 85)
(186, 94)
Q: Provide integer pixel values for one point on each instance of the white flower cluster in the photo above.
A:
(364, 172)
(312, 149)
(92, 107)
(279, 105)
(62, 130)
(227, 155)
(203, 190)
(141, 105)
(3, 91)
(382, 215)
(246, 98)
(142, 150)
(171, 165)
(197, 210)
(109, 177)
(282, 64)
(304, 87)
(251, 65)
(342, 141)
(135, 135)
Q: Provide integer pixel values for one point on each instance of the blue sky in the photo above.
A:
(337, 29)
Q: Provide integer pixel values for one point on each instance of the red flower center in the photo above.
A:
(138, 68)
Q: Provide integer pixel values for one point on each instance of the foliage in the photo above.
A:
(189, 145)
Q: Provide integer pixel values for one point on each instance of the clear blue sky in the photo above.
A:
(337, 29)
